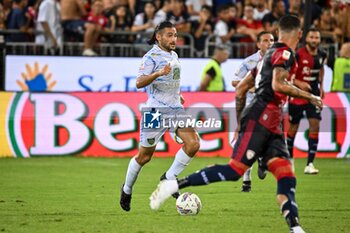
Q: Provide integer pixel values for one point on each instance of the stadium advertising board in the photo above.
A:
(107, 124)
(82, 74)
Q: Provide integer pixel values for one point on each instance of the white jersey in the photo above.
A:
(164, 91)
(246, 66)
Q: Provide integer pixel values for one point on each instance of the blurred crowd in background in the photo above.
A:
(51, 22)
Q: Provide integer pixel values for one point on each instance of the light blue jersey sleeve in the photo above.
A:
(247, 65)
(148, 66)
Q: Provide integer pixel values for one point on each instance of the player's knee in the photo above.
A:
(238, 167)
(286, 186)
(142, 159)
(280, 168)
(192, 146)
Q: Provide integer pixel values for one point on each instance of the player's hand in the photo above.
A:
(165, 70)
(317, 101)
(182, 99)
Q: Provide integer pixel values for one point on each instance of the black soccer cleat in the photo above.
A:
(262, 171)
(125, 200)
(174, 195)
(246, 186)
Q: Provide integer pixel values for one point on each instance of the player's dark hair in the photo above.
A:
(159, 27)
(289, 23)
(312, 29)
(258, 37)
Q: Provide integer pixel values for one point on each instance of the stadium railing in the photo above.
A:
(238, 49)
(75, 48)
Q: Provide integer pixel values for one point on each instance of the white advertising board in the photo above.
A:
(101, 74)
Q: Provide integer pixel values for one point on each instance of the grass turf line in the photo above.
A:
(82, 195)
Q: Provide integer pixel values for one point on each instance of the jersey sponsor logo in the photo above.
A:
(305, 62)
(155, 54)
(306, 78)
(286, 55)
(176, 73)
(250, 154)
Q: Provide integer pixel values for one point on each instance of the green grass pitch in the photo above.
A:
(75, 194)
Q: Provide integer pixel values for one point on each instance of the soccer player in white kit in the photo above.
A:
(264, 41)
(160, 74)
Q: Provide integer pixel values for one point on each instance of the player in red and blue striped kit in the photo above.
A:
(309, 77)
(260, 133)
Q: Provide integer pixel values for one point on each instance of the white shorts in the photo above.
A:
(150, 136)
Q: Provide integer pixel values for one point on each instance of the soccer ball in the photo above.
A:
(188, 204)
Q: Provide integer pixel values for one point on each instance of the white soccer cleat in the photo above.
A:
(163, 191)
(310, 169)
(297, 229)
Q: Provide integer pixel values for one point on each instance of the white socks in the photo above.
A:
(131, 175)
(247, 176)
(180, 162)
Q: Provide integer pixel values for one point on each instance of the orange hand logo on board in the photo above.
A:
(36, 80)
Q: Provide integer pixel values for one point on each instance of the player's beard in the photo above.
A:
(168, 47)
(313, 45)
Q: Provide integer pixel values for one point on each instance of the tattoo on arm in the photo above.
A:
(240, 104)
(280, 84)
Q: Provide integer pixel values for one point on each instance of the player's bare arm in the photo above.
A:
(241, 93)
(302, 85)
(145, 80)
(182, 99)
(280, 84)
(321, 83)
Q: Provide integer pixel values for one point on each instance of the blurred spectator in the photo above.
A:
(138, 6)
(341, 74)
(327, 25)
(345, 24)
(96, 17)
(180, 18)
(195, 6)
(120, 21)
(218, 3)
(212, 77)
(108, 7)
(2, 17)
(260, 9)
(248, 25)
(7, 6)
(337, 13)
(295, 7)
(49, 24)
(162, 12)
(144, 21)
(271, 19)
(202, 28)
(224, 28)
(16, 19)
(72, 14)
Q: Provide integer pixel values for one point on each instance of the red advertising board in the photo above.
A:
(107, 124)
